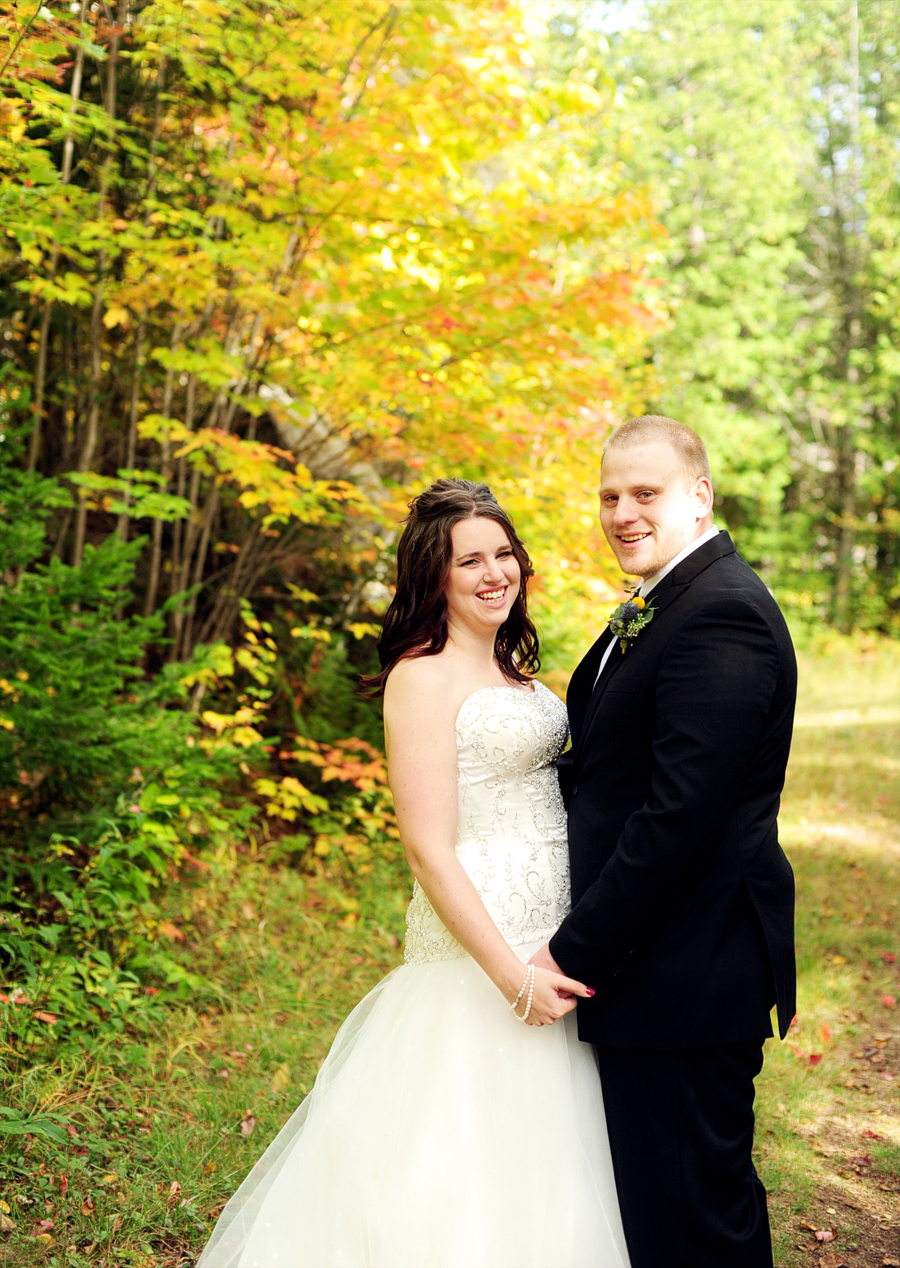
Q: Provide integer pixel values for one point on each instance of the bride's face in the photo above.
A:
(484, 576)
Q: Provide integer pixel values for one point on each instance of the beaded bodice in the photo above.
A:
(511, 827)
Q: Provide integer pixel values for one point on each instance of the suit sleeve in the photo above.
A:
(714, 691)
(564, 771)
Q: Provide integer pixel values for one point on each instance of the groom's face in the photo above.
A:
(650, 508)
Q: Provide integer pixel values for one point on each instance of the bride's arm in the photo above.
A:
(420, 706)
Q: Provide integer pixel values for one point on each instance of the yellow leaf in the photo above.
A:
(115, 315)
(280, 1078)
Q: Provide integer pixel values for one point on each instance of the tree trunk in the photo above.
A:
(40, 376)
(846, 447)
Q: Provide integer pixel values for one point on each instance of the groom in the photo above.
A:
(682, 916)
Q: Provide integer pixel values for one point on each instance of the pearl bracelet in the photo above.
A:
(515, 1004)
(528, 985)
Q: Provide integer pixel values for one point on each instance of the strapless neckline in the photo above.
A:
(520, 691)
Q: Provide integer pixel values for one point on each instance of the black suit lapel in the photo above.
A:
(661, 597)
(581, 685)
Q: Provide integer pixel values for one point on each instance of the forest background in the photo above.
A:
(268, 269)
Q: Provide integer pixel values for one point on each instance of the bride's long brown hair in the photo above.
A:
(415, 623)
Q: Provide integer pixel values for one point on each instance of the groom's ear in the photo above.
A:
(702, 493)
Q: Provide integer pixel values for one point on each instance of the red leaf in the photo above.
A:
(889, 1001)
(870, 1135)
(825, 1032)
(50, 1018)
(815, 1058)
(171, 931)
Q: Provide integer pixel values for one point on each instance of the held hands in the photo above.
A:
(546, 996)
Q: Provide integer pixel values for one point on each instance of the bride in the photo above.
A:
(457, 1121)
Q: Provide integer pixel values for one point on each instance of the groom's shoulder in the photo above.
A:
(731, 583)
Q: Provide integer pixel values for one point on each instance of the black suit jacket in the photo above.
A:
(683, 900)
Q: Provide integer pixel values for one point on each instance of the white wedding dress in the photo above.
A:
(440, 1130)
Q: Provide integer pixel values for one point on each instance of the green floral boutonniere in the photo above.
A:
(629, 619)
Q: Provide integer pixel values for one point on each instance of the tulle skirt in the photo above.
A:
(440, 1133)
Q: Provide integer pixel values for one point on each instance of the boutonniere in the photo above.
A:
(629, 619)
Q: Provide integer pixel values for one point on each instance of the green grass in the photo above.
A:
(161, 1127)
(839, 826)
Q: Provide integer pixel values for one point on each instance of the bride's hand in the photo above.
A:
(554, 995)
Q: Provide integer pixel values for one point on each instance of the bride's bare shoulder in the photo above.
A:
(418, 678)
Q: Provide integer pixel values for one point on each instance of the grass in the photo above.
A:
(159, 1128)
(828, 1133)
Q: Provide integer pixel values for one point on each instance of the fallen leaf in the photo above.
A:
(170, 931)
(248, 1122)
(870, 1135)
(174, 1193)
(109, 1178)
(6, 1223)
(887, 1262)
(825, 1032)
(825, 1234)
(832, 1261)
(88, 1207)
(815, 1058)
(280, 1078)
(50, 1018)
(889, 1001)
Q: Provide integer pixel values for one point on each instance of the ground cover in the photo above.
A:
(136, 1142)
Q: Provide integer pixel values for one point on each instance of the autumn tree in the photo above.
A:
(260, 259)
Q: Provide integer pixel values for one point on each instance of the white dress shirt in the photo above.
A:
(649, 583)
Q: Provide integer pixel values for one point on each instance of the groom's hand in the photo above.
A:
(542, 959)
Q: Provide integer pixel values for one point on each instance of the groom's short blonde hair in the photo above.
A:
(656, 427)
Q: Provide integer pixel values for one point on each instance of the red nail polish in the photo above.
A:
(590, 992)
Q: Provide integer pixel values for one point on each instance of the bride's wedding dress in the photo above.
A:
(440, 1130)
